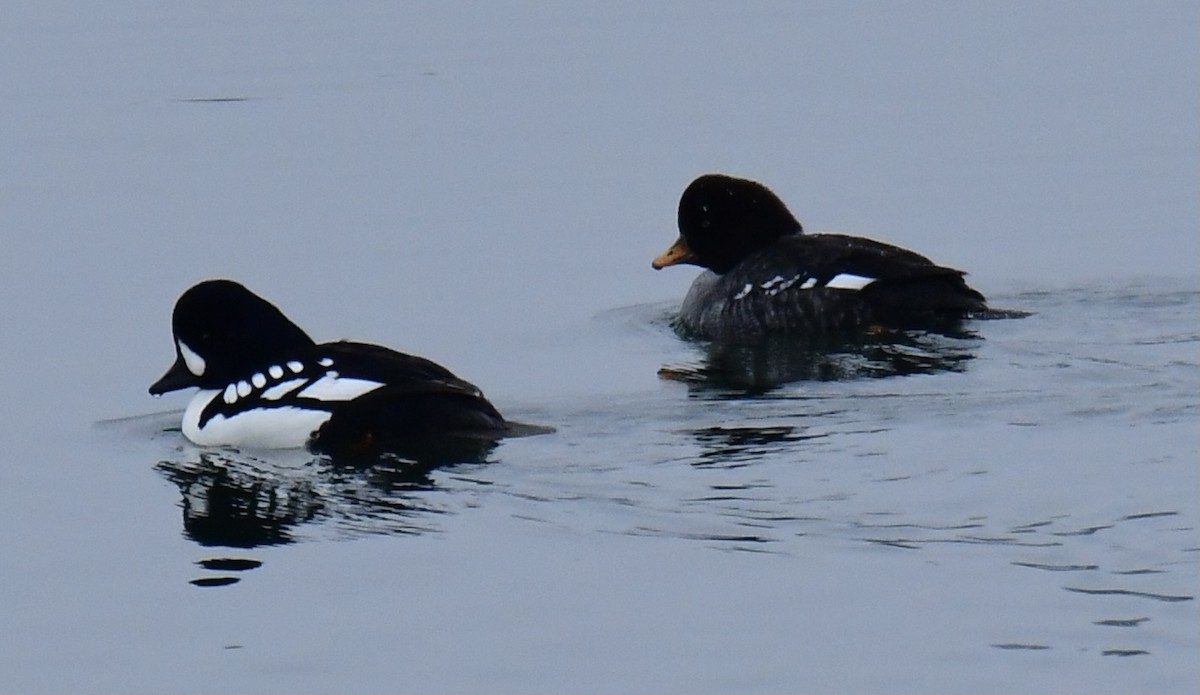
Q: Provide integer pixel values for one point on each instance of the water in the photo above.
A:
(1009, 509)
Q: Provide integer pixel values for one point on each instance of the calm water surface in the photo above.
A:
(1009, 509)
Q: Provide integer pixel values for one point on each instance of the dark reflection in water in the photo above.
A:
(242, 501)
(214, 581)
(734, 447)
(229, 564)
(228, 502)
(759, 368)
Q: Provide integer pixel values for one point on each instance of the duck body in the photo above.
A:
(264, 384)
(825, 285)
(765, 277)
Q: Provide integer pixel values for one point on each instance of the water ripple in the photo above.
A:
(1169, 598)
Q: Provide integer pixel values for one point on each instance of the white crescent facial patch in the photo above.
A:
(195, 363)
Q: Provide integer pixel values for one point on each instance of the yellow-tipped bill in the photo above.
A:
(678, 253)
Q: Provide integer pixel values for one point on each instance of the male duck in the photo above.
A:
(764, 276)
(265, 384)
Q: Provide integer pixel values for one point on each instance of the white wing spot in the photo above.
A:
(230, 394)
(778, 284)
(809, 284)
(325, 362)
(745, 291)
(243, 389)
(848, 281)
(258, 380)
(275, 371)
(295, 366)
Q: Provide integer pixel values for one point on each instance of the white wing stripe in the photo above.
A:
(282, 389)
(332, 388)
(848, 281)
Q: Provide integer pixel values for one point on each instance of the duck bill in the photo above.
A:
(677, 254)
(177, 377)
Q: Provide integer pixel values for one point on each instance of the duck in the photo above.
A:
(263, 383)
(763, 276)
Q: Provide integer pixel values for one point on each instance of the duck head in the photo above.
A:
(222, 330)
(723, 219)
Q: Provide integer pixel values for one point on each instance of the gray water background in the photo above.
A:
(486, 185)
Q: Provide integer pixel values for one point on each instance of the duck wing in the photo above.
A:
(420, 402)
(904, 287)
(378, 363)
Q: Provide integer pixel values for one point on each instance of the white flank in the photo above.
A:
(194, 362)
(275, 427)
(191, 416)
(848, 281)
(332, 388)
(230, 394)
(258, 380)
(275, 371)
(282, 389)
(745, 291)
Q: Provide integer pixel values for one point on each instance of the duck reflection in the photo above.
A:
(757, 368)
(227, 503)
(237, 500)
